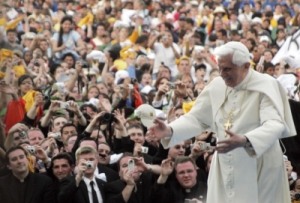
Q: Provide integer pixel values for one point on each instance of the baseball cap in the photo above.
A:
(146, 113)
(264, 38)
(121, 74)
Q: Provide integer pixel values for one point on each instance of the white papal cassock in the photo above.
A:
(243, 175)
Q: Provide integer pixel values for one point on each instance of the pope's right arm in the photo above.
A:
(193, 123)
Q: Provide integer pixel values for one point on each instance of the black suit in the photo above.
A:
(114, 190)
(172, 192)
(39, 189)
(110, 174)
(69, 192)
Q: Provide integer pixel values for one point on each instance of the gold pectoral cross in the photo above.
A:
(227, 126)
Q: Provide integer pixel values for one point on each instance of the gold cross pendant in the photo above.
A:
(227, 126)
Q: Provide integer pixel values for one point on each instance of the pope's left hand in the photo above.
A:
(234, 141)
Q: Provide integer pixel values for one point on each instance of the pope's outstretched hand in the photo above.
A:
(159, 130)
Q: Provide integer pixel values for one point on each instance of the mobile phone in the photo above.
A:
(131, 164)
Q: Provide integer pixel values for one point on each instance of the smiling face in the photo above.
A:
(18, 162)
(186, 174)
(136, 135)
(176, 151)
(61, 168)
(231, 73)
(26, 85)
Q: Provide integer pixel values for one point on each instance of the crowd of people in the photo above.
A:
(81, 81)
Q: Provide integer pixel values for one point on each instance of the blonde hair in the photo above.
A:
(84, 150)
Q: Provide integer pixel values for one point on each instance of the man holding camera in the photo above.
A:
(135, 183)
(84, 187)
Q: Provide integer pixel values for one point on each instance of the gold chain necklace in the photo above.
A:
(229, 122)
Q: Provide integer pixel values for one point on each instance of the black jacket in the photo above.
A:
(114, 190)
(110, 174)
(70, 193)
(39, 189)
(172, 192)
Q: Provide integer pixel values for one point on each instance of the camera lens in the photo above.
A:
(107, 117)
(133, 80)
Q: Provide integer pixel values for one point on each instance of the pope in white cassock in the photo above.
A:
(249, 112)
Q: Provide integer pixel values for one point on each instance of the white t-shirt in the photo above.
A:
(167, 56)
(69, 40)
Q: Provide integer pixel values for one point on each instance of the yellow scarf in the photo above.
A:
(29, 99)
(186, 107)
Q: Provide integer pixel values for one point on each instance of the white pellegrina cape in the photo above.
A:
(243, 175)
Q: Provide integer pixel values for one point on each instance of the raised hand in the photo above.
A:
(54, 106)
(180, 90)
(127, 176)
(140, 164)
(171, 115)
(167, 167)
(196, 150)
(159, 130)
(38, 99)
(118, 124)
(120, 115)
(40, 153)
(7, 89)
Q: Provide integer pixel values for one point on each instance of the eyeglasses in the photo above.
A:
(178, 147)
(26, 83)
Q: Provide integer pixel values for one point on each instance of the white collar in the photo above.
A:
(88, 181)
(245, 81)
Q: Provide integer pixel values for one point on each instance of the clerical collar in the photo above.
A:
(22, 180)
(244, 83)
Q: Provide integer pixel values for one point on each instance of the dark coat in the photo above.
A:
(39, 189)
(70, 193)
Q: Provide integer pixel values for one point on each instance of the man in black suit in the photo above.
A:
(84, 187)
(22, 186)
(185, 188)
(135, 184)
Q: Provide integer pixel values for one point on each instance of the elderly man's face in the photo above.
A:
(231, 73)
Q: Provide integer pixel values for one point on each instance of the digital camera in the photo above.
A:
(205, 146)
(64, 105)
(23, 134)
(108, 118)
(31, 149)
(297, 196)
(56, 135)
(90, 164)
(172, 86)
(145, 150)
